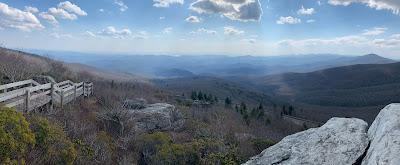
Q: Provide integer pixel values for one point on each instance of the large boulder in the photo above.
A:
(384, 136)
(136, 103)
(156, 117)
(339, 141)
(44, 79)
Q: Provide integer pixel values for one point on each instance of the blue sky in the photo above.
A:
(195, 27)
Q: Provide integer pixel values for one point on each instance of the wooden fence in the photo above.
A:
(28, 95)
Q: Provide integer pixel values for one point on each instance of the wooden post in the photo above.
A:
(62, 99)
(28, 100)
(74, 91)
(51, 96)
(84, 85)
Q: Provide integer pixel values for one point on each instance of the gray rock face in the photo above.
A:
(44, 79)
(136, 103)
(156, 117)
(340, 141)
(384, 135)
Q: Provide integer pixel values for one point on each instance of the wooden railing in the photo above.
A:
(28, 95)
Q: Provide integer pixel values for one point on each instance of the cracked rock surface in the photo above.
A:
(339, 141)
(384, 135)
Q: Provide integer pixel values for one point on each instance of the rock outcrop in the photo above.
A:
(44, 79)
(339, 141)
(156, 117)
(384, 135)
(136, 103)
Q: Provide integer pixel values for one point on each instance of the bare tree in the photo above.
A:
(16, 67)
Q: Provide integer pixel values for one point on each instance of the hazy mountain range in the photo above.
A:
(212, 65)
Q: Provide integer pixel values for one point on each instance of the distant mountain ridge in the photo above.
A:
(215, 65)
(348, 86)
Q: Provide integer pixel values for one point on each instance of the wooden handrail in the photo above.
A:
(12, 85)
(62, 93)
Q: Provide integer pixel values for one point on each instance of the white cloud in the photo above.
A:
(193, 19)
(48, 18)
(375, 31)
(101, 10)
(143, 32)
(252, 41)
(89, 34)
(396, 36)
(241, 10)
(347, 45)
(232, 31)
(61, 13)
(143, 37)
(310, 21)
(319, 3)
(31, 9)
(58, 36)
(118, 37)
(289, 20)
(383, 43)
(167, 30)
(68, 6)
(192, 32)
(15, 18)
(212, 32)
(121, 4)
(165, 3)
(306, 11)
(111, 31)
(393, 5)
(162, 18)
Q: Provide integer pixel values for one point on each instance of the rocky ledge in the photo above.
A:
(156, 117)
(340, 141)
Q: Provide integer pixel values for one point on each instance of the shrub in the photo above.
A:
(260, 144)
(15, 136)
(158, 148)
(219, 159)
(175, 154)
(51, 142)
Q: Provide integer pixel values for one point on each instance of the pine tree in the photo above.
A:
(112, 83)
(284, 110)
(200, 96)
(228, 101)
(291, 110)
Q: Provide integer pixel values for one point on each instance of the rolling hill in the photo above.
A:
(348, 86)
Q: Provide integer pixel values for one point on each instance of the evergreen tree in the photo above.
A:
(284, 110)
(228, 101)
(291, 110)
(200, 96)
(246, 117)
(253, 112)
(112, 84)
(193, 95)
(260, 111)
(216, 99)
